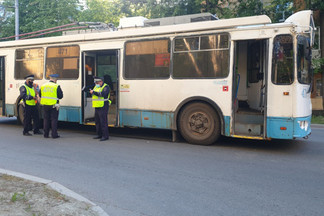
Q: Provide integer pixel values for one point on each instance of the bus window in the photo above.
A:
(303, 60)
(147, 59)
(283, 60)
(186, 44)
(207, 59)
(63, 60)
(29, 62)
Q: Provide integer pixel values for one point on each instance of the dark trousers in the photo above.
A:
(50, 120)
(31, 113)
(101, 120)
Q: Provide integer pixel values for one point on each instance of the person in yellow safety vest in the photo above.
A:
(100, 101)
(29, 95)
(50, 95)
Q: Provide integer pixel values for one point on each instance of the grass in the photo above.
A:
(18, 196)
(317, 119)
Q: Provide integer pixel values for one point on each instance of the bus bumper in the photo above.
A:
(288, 128)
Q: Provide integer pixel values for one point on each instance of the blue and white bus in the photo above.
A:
(240, 77)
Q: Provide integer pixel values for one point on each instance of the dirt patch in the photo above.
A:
(20, 197)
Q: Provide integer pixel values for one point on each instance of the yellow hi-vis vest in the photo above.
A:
(49, 93)
(98, 102)
(31, 92)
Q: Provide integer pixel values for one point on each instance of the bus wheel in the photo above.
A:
(199, 124)
(21, 110)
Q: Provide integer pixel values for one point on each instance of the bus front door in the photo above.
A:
(89, 69)
(102, 63)
(249, 90)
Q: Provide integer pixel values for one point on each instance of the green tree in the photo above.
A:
(39, 14)
(279, 10)
(248, 8)
(106, 11)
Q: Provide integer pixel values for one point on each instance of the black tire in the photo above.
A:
(199, 124)
(21, 110)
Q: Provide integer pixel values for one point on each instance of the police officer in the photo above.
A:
(29, 95)
(50, 94)
(100, 101)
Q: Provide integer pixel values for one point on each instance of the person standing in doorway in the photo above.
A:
(29, 96)
(50, 95)
(100, 101)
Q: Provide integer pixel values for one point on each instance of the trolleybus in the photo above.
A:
(241, 77)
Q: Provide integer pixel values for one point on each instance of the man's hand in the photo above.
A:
(91, 91)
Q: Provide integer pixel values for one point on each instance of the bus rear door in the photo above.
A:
(250, 89)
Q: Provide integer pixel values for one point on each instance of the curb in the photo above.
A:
(59, 188)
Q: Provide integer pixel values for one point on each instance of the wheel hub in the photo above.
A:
(199, 123)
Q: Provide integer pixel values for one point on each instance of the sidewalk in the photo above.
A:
(22, 194)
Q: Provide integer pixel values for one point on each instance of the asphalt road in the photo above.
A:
(154, 177)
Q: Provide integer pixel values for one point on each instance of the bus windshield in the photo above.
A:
(303, 60)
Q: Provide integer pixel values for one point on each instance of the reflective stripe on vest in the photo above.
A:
(98, 102)
(49, 93)
(30, 92)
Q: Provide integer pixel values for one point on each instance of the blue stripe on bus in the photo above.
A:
(294, 127)
(70, 114)
(66, 113)
(147, 119)
(227, 122)
(10, 109)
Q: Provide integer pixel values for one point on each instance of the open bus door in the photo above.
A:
(250, 89)
(89, 71)
(102, 63)
(2, 86)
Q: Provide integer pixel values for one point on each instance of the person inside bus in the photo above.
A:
(50, 95)
(100, 101)
(29, 95)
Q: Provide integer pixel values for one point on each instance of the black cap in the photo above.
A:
(29, 77)
(97, 79)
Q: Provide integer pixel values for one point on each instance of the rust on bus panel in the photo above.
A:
(150, 119)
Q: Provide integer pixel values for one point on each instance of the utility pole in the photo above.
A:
(16, 19)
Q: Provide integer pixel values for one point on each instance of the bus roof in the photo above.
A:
(148, 31)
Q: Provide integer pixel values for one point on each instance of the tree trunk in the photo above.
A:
(299, 5)
(322, 50)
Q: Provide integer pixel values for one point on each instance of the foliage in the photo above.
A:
(248, 8)
(107, 11)
(279, 10)
(39, 14)
(317, 64)
(317, 5)
(317, 120)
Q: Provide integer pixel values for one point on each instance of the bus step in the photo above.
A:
(249, 118)
(248, 129)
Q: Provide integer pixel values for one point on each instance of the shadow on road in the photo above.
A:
(284, 146)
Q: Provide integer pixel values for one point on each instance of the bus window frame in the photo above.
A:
(43, 68)
(78, 64)
(142, 40)
(204, 50)
(293, 60)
